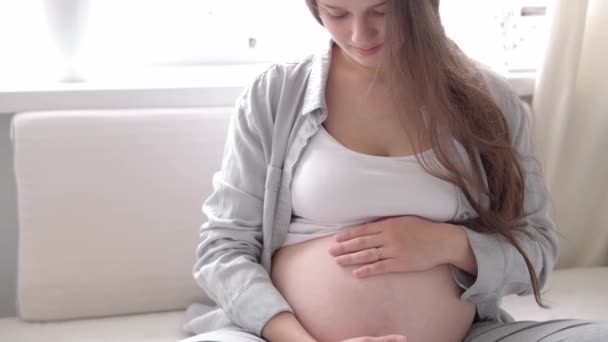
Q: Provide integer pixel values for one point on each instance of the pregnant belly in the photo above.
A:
(333, 305)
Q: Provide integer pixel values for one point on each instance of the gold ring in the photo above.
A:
(379, 253)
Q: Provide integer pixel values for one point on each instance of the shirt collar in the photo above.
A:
(314, 96)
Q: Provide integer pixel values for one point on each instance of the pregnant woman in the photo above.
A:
(382, 189)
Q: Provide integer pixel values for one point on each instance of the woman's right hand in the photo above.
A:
(387, 338)
(285, 327)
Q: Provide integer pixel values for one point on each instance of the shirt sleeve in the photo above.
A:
(228, 265)
(501, 268)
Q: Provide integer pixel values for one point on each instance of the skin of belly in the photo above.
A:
(333, 305)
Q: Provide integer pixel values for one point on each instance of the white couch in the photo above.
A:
(109, 214)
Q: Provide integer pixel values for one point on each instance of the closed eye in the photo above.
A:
(344, 15)
(338, 16)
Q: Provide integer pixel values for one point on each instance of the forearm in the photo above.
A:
(285, 327)
(460, 251)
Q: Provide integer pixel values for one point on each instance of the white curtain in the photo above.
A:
(571, 128)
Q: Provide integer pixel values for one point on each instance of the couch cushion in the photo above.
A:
(109, 208)
(580, 293)
(156, 327)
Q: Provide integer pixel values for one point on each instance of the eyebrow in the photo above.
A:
(337, 7)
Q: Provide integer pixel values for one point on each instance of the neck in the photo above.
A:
(354, 68)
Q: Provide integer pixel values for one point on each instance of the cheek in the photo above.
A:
(381, 31)
(337, 31)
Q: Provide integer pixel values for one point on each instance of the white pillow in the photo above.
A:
(109, 208)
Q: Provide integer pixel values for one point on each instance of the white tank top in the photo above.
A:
(334, 187)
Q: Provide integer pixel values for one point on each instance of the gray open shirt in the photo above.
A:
(249, 211)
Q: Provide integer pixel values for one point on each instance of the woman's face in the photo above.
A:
(357, 26)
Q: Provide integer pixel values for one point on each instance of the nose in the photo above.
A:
(363, 33)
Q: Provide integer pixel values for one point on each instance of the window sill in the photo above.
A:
(201, 86)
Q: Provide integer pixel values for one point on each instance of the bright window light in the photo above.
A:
(123, 35)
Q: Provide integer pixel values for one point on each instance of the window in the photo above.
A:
(508, 35)
(123, 35)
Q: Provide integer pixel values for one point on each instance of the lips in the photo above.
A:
(368, 51)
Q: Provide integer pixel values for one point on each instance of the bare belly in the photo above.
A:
(333, 305)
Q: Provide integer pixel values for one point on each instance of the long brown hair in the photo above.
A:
(442, 94)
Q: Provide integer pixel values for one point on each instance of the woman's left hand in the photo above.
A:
(396, 244)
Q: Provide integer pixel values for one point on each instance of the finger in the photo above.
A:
(355, 245)
(379, 267)
(362, 257)
(357, 231)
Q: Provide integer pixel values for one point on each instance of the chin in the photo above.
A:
(369, 62)
(372, 61)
